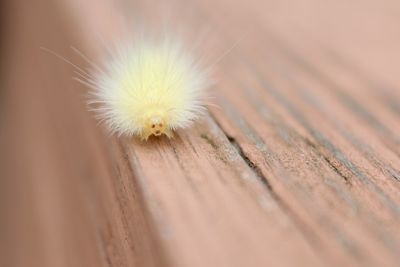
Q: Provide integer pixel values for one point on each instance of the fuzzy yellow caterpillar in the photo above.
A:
(149, 88)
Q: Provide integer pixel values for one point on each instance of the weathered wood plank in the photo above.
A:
(300, 165)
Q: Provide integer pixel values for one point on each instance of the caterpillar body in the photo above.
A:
(149, 88)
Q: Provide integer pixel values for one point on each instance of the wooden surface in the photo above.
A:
(300, 165)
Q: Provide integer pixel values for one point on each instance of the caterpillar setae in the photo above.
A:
(150, 87)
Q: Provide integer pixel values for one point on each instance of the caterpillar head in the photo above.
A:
(156, 124)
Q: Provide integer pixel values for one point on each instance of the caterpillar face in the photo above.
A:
(149, 88)
(156, 125)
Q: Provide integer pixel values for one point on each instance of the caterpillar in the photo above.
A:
(149, 88)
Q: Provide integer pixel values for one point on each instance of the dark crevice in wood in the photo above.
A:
(251, 164)
(235, 144)
(327, 160)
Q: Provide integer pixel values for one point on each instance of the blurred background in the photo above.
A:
(59, 193)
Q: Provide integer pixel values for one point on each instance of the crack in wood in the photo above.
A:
(327, 160)
(256, 169)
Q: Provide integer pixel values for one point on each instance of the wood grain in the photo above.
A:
(299, 165)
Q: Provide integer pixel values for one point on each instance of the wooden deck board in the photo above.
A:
(300, 165)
